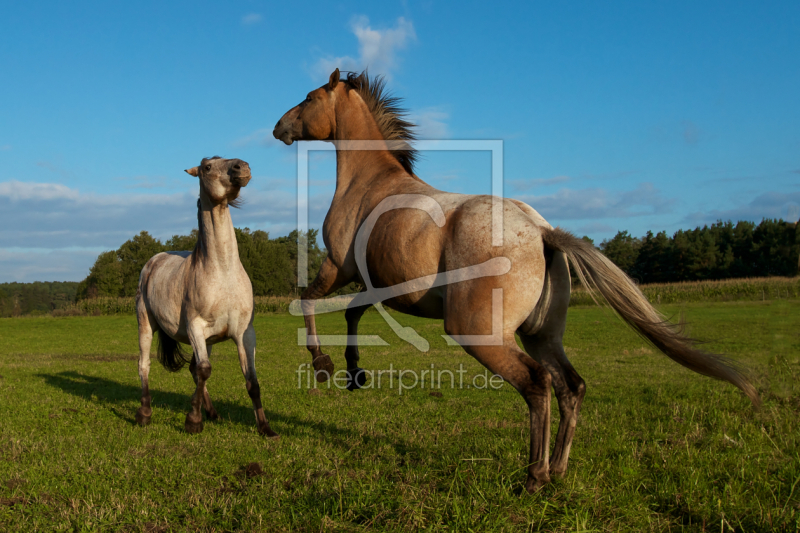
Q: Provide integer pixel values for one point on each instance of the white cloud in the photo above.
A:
(51, 265)
(771, 204)
(18, 190)
(377, 49)
(51, 216)
(431, 123)
(251, 18)
(594, 228)
(595, 203)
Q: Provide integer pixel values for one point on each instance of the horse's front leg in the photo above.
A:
(194, 419)
(246, 347)
(211, 413)
(329, 279)
(356, 377)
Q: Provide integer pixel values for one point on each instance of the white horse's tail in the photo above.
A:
(170, 353)
(598, 273)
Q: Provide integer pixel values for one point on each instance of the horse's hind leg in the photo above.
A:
(569, 388)
(145, 341)
(356, 376)
(532, 381)
(211, 413)
(246, 347)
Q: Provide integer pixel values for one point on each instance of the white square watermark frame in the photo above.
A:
(303, 150)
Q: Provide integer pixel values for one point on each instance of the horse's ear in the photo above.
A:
(334, 79)
(194, 171)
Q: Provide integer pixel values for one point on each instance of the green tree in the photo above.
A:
(266, 262)
(654, 263)
(105, 277)
(778, 245)
(315, 255)
(182, 243)
(623, 250)
(133, 254)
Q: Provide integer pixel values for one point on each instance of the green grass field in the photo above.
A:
(657, 448)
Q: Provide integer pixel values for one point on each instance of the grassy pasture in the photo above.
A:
(657, 448)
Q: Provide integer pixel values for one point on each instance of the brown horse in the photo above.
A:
(201, 298)
(409, 244)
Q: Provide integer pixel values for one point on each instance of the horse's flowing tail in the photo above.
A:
(170, 353)
(596, 272)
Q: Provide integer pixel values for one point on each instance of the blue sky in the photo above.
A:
(614, 116)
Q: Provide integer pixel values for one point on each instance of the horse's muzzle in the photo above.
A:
(283, 134)
(241, 180)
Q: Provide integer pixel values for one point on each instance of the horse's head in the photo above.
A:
(221, 179)
(314, 118)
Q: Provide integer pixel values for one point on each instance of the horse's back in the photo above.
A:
(183, 254)
(162, 266)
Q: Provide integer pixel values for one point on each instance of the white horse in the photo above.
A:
(201, 297)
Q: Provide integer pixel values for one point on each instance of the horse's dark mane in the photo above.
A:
(388, 114)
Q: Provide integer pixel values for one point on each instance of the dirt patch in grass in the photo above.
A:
(11, 484)
(107, 358)
(11, 502)
(152, 527)
(251, 470)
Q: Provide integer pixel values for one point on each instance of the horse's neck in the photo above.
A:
(216, 245)
(360, 169)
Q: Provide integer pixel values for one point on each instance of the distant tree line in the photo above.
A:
(720, 251)
(33, 298)
(270, 263)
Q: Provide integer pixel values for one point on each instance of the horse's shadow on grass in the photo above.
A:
(115, 395)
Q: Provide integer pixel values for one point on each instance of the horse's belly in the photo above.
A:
(425, 305)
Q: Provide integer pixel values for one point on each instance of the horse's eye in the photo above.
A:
(208, 167)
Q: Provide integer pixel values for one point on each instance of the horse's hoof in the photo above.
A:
(193, 426)
(356, 378)
(266, 431)
(212, 414)
(141, 418)
(557, 474)
(323, 368)
(535, 485)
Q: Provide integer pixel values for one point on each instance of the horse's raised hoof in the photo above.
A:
(534, 485)
(323, 368)
(193, 426)
(143, 416)
(356, 378)
(266, 431)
